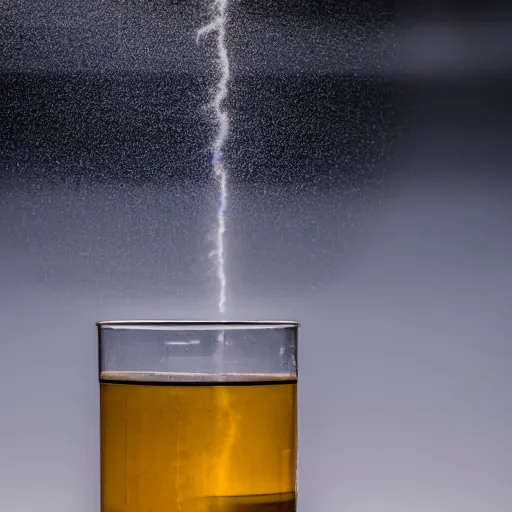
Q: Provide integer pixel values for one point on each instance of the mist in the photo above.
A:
(369, 201)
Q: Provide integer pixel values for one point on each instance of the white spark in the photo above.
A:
(218, 26)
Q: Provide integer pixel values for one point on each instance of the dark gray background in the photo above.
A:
(370, 198)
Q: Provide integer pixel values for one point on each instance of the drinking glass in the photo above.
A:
(198, 416)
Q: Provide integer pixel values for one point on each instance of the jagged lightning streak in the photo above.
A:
(218, 26)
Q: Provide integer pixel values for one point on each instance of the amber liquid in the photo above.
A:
(198, 446)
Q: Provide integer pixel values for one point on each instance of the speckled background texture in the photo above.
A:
(369, 198)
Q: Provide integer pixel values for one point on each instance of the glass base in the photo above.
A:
(284, 502)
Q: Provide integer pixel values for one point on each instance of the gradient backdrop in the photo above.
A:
(370, 198)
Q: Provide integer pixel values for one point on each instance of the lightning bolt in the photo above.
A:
(217, 26)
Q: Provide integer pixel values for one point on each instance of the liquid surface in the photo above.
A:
(198, 446)
(195, 378)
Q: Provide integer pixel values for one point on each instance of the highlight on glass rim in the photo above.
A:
(198, 416)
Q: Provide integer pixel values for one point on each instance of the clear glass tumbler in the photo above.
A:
(198, 416)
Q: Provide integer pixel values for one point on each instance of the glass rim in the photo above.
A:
(196, 325)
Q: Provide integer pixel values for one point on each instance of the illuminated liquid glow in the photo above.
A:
(199, 447)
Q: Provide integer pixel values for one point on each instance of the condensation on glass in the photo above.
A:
(198, 416)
